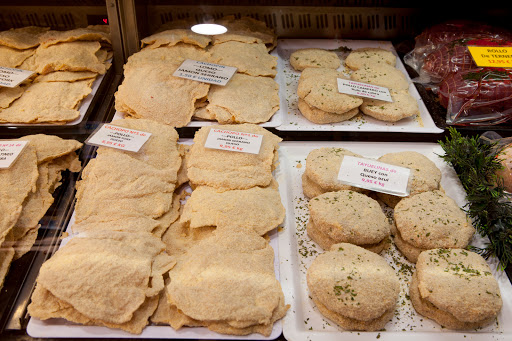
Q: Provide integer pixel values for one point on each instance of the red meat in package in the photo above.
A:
(436, 39)
(434, 36)
(455, 56)
(477, 96)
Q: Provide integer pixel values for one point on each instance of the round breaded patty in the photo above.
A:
(319, 116)
(353, 324)
(310, 188)
(403, 105)
(322, 167)
(326, 242)
(431, 220)
(382, 75)
(348, 217)
(319, 88)
(409, 251)
(425, 176)
(303, 58)
(354, 287)
(369, 55)
(455, 288)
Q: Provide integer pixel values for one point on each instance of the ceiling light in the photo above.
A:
(209, 29)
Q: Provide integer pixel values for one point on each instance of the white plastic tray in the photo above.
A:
(289, 79)
(303, 321)
(61, 328)
(83, 107)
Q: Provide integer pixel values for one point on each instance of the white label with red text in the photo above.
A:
(374, 175)
(205, 72)
(10, 77)
(9, 152)
(346, 86)
(236, 141)
(109, 135)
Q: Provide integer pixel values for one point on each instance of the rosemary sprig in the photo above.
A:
(476, 164)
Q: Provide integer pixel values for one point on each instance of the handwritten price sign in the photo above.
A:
(236, 141)
(374, 175)
(11, 78)
(9, 152)
(109, 135)
(349, 87)
(205, 72)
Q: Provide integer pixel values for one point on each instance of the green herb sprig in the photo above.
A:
(476, 164)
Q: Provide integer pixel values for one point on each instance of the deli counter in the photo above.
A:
(292, 170)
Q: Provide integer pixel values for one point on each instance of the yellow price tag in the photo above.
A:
(491, 56)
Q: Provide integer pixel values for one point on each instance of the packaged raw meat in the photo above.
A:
(453, 57)
(477, 96)
(435, 36)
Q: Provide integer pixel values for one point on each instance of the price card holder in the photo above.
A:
(235, 141)
(491, 56)
(11, 78)
(375, 176)
(205, 72)
(112, 136)
(349, 87)
(9, 152)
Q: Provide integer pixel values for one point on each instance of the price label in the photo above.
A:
(205, 72)
(235, 141)
(491, 56)
(11, 78)
(374, 175)
(348, 87)
(9, 152)
(109, 135)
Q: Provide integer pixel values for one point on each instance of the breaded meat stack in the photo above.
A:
(353, 287)
(348, 217)
(321, 174)
(430, 220)
(455, 288)
(425, 176)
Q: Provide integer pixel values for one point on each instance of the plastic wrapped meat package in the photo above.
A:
(481, 95)
(472, 95)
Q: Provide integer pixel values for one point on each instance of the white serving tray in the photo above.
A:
(83, 107)
(288, 81)
(61, 328)
(303, 321)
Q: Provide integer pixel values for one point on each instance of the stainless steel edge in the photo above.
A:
(129, 28)
(116, 35)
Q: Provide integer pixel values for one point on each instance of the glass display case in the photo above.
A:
(91, 106)
(396, 22)
(139, 47)
(68, 16)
